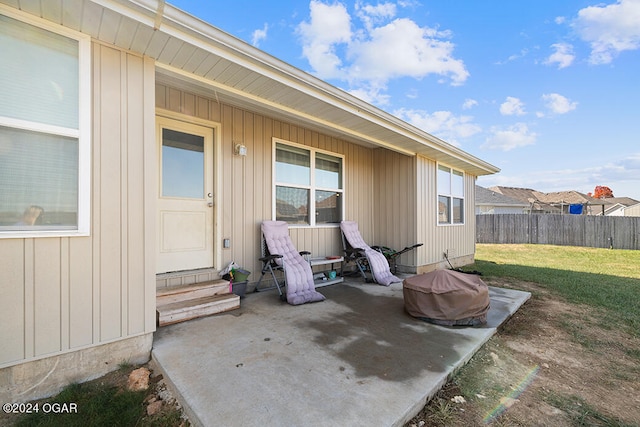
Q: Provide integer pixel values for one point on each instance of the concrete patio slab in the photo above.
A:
(355, 359)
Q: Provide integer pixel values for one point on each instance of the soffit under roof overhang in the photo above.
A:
(196, 55)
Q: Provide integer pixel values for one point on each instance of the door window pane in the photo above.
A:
(182, 165)
(38, 181)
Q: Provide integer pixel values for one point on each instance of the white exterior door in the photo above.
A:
(185, 196)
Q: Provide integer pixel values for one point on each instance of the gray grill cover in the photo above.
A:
(447, 297)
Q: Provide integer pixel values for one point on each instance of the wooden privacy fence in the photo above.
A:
(569, 230)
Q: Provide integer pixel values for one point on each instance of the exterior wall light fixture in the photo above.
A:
(240, 150)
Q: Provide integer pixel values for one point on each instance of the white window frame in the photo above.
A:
(450, 194)
(311, 187)
(82, 134)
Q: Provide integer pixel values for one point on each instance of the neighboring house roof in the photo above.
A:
(563, 198)
(556, 201)
(615, 204)
(486, 197)
(528, 196)
(624, 201)
(198, 55)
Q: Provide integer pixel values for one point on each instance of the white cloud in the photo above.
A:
(563, 55)
(630, 166)
(403, 49)
(329, 25)
(558, 104)
(259, 35)
(384, 47)
(512, 107)
(413, 94)
(381, 10)
(512, 137)
(624, 169)
(514, 57)
(443, 124)
(371, 15)
(469, 103)
(609, 29)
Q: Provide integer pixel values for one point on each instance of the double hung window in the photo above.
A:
(44, 142)
(308, 185)
(450, 196)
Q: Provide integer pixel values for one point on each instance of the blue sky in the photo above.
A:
(546, 90)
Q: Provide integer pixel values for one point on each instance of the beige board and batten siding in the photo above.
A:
(457, 239)
(62, 294)
(246, 189)
(406, 213)
(395, 210)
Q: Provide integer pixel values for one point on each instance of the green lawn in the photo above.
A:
(605, 279)
(98, 404)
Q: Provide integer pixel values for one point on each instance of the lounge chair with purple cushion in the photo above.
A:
(366, 258)
(279, 253)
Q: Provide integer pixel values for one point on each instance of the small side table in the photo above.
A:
(328, 261)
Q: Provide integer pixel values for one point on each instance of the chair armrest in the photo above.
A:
(269, 258)
(383, 249)
(303, 253)
(356, 251)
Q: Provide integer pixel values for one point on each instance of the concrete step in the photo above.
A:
(190, 302)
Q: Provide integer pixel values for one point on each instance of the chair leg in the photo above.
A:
(264, 270)
(393, 263)
(268, 269)
(362, 266)
(275, 280)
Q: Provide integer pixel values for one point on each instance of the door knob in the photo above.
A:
(210, 204)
